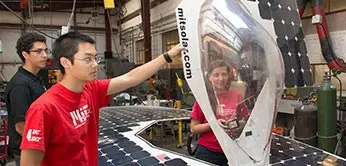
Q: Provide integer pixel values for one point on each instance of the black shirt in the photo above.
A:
(22, 90)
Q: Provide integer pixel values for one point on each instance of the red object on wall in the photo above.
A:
(24, 4)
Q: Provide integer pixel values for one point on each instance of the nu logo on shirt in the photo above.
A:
(80, 116)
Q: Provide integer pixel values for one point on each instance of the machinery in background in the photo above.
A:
(51, 74)
(180, 83)
(172, 91)
(176, 88)
(54, 76)
(2, 91)
(3, 124)
(4, 142)
(160, 87)
(188, 97)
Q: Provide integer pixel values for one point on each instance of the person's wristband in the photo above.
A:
(167, 57)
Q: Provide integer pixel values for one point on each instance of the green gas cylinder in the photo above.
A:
(326, 116)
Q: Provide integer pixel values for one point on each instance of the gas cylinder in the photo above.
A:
(326, 115)
(305, 123)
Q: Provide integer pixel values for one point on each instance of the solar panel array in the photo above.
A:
(290, 40)
(116, 149)
(287, 152)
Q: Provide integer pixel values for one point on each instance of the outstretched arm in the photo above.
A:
(141, 73)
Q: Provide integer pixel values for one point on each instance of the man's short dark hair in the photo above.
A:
(26, 41)
(67, 46)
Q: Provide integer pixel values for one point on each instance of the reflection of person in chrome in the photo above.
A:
(231, 114)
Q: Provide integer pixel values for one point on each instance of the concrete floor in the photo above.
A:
(11, 163)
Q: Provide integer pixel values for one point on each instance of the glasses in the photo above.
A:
(89, 60)
(41, 51)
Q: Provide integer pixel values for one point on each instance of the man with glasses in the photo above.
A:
(62, 125)
(24, 87)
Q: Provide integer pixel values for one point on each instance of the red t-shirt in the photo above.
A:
(232, 101)
(64, 124)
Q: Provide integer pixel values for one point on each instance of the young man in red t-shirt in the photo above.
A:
(62, 125)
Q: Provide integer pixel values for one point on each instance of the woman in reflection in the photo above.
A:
(231, 113)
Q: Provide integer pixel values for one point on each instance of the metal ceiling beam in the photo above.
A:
(54, 5)
(57, 27)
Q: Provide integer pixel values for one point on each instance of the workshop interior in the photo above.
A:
(285, 58)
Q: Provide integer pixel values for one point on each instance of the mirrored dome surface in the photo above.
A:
(238, 57)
